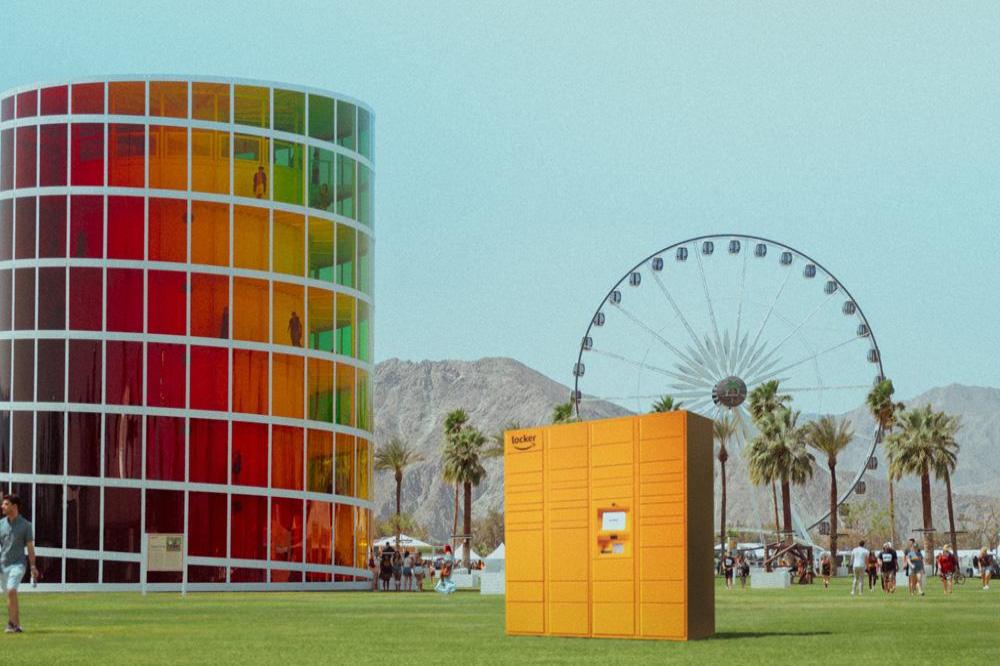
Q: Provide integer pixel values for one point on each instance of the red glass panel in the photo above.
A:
(120, 572)
(122, 520)
(210, 365)
(127, 98)
(27, 157)
(52, 155)
(343, 540)
(319, 532)
(49, 443)
(249, 527)
(205, 574)
(83, 518)
(207, 524)
(165, 512)
(168, 230)
(249, 454)
(123, 446)
(51, 370)
(314, 577)
(87, 154)
(52, 227)
(55, 100)
(286, 529)
(164, 448)
(83, 444)
(210, 306)
(84, 371)
(7, 108)
(24, 228)
(27, 104)
(286, 457)
(6, 278)
(209, 451)
(241, 575)
(50, 568)
(126, 155)
(6, 159)
(86, 224)
(24, 298)
(167, 311)
(125, 300)
(6, 229)
(24, 370)
(85, 294)
(52, 298)
(21, 458)
(249, 381)
(82, 571)
(123, 361)
(283, 576)
(48, 517)
(126, 228)
(88, 98)
(165, 375)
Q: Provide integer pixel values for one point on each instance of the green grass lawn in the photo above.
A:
(803, 623)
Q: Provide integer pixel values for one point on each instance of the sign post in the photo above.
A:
(164, 552)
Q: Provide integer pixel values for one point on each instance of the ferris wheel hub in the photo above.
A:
(729, 392)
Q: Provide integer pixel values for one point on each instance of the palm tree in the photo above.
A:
(778, 454)
(765, 401)
(924, 440)
(666, 404)
(945, 427)
(454, 422)
(463, 463)
(396, 456)
(496, 440)
(563, 413)
(885, 413)
(830, 437)
(723, 430)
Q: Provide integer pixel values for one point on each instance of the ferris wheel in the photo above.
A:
(709, 319)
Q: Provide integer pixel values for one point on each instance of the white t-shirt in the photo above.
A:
(858, 557)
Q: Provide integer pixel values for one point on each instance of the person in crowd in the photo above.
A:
(445, 584)
(871, 569)
(947, 564)
(16, 536)
(859, 560)
(397, 570)
(407, 571)
(728, 565)
(984, 562)
(373, 567)
(825, 569)
(418, 571)
(385, 567)
(890, 565)
(742, 570)
(915, 562)
(295, 329)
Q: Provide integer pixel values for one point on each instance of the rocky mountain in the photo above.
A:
(412, 399)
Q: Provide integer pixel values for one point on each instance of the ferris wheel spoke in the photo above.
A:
(811, 357)
(691, 365)
(767, 316)
(708, 300)
(651, 368)
(803, 322)
(677, 311)
(731, 367)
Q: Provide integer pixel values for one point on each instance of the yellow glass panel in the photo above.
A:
(321, 249)
(251, 167)
(345, 394)
(209, 233)
(252, 107)
(168, 157)
(288, 328)
(319, 461)
(210, 161)
(287, 381)
(343, 535)
(362, 535)
(346, 326)
(168, 99)
(250, 309)
(250, 237)
(289, 239)
(320, 319)
(210, 101)
(364, 469)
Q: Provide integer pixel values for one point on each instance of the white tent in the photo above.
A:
(499, 553)
(405, 541)
(460, 553)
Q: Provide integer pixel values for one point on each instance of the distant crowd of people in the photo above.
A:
(868, 566)
(405, 570)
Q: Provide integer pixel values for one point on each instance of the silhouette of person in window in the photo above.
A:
(260, 183)
(295, 330)
(323, 198)
(224, 327)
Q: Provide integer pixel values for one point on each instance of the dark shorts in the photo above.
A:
(729, 573)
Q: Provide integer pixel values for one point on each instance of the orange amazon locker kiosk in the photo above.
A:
(609, 528)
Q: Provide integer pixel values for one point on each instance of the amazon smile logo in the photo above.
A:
(523, 442)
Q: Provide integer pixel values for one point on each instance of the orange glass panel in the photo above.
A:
(250, 309)
(344, 397)
(126, 155)
(289, 243)
(252, 107)
(209, 233)
(319, 461)
(126, 98)
(343, 536)
(210, 161)
(168, 157)
(251, 168)
(286, 457)
(210, 101)
(210, 305)
(320, 387)
(286, 531)
(168, 99)
(364, 469)
(344, 465)
(250, 238)
(362, 535)
(287, 326)
(319, 532)
(287, 381)
(250, 381)
(168, 230)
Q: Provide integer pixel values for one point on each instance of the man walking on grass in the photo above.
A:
(859, 560)
(16, 535)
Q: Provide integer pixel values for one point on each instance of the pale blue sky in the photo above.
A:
(529, 153)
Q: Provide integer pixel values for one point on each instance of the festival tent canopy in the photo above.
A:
(405, 541)
(499, 553)
(460, 553)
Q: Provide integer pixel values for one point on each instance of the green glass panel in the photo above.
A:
(345, 255)
(321, 179)
(289, 111)
(321, 111)
(364, 331)
(364, 195)
(252, 106)
(346, 125)
(346, 187)
(364, 133)
(288, 169)
(364, 264)
(364, 402)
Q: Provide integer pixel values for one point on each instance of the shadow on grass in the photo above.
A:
(726, 635)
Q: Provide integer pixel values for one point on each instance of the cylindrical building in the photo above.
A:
(185, 330)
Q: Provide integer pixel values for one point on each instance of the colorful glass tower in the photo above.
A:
(185, 329)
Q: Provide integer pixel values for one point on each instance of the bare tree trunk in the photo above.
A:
(925, 496)
(454, 525)
(467, 526)
(951, 515)
(774, 498)
(722, 517)
(786, 507)
(399, 493)
(892, 510)
(833, 517)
